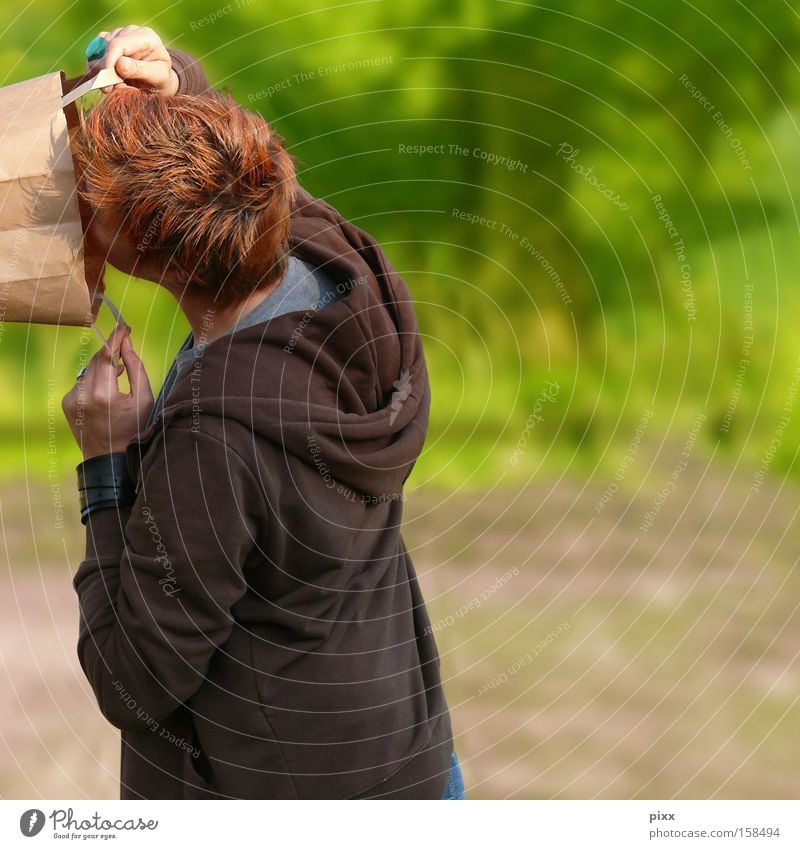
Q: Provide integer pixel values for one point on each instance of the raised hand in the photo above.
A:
(138, 55)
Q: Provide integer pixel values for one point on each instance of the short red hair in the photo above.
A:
(195, 181)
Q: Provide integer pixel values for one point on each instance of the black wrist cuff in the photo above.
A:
(104, 481)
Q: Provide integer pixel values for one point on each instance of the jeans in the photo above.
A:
(455, 783)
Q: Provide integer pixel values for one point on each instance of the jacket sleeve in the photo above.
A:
(160, 578)
(191, 77)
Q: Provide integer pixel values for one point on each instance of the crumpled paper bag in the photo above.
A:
(42, 274)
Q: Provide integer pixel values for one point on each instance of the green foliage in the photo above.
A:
(570, 120)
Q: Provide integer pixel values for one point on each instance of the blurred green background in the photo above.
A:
(593, 205)
(564, 281)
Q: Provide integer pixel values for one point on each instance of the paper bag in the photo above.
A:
(42, 275)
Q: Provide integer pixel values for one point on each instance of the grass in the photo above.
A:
(677, 676)
(488, 371)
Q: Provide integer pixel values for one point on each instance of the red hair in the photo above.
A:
(197, 182)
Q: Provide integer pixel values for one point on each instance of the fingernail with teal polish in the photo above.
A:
(96, 48)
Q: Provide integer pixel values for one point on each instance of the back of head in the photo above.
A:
(199, 184)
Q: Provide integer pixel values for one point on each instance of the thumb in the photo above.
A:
(137, 376)
(146, 73)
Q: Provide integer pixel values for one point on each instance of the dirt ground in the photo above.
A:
(583, 656)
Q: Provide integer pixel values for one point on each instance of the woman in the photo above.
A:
(250, 617)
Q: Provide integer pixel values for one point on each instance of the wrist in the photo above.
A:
(104, 481)
(90, 452)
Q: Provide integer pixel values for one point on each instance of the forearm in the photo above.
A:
(120, 677)
(160, 578)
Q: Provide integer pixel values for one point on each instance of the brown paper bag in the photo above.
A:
(42, 274)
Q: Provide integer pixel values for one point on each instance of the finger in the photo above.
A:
(106, 89)
(69, 402)
(92, 366)
(122, 41)
(138, 44)
(105, 368)
(115, 341)
(110, 352)
(121, 329)
(137, 376)
(127, 31)
(147, 73)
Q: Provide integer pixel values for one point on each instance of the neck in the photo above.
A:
(209, 320)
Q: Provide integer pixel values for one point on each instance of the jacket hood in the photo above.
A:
(343, 389)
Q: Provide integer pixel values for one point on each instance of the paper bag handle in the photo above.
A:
(117, 316)
(108, 76)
